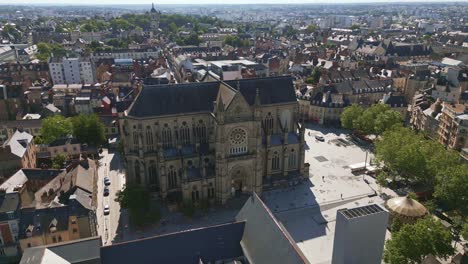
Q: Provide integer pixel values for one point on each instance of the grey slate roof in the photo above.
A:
(210, 244)
(82, 251)
(199, 97)
(273, 244)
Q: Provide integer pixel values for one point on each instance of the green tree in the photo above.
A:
(412, 243)
(173, 27)
(137, 200)
(58, 161)
(350, 115)
(452, 187)
(355, 26)
(464, 231)
(54, 127)
(311, 29)
(377, 119)
(88, 129)
(43, 51)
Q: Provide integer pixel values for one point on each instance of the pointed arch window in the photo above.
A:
(184, 133)
(292, 163)
(149, 138)
(172, 177)
(275, 161)
(166, 136)
(268, 123)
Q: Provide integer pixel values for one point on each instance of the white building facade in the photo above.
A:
(72, 71)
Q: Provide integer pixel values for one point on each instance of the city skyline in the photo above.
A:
(213, 2)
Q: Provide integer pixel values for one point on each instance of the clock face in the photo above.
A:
(238, 136)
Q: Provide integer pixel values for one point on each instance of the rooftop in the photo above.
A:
(361, 211)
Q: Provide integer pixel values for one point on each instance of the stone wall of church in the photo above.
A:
(220, 159)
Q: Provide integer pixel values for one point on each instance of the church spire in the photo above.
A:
(153, 10)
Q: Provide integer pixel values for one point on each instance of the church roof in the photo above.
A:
(157, 100)
(153, 10)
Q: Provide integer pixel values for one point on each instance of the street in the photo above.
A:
(111, 166)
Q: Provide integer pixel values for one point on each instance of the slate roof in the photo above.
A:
(199, 97)
(9, 202)
(274, 245)
(23, 175)
(82, 251)
(40, 219)
(209, 244)
(396, 101)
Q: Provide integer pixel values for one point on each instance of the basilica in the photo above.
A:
(213, 140)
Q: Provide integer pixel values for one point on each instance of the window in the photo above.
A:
(29, 245)
(275, 161)
(64, 149)
(292, 163)
(185, 133)
(149, 138)
(195, 194)
(268, 123)
(238, 141)
(75, 230)
(166, 136)
(172, 175)
(137, 172)
(135, 139)
(211, 191)
(59, 239)
(153, 173)
(54, 239)
(200, 132)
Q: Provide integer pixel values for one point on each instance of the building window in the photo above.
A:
(153, 173)
(135, 139)
(268, 123)
(75, 230)
(166, 136)
(275, 161)
(238, 142)
(200, 132)
(172, 175)
(29, 245)
(137, 172)
(292, 163)
(185, 133)
(54, 239)
(149, 138)
(59, 239)
(211, 191)
(195, 194)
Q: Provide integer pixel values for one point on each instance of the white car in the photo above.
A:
(107, 181)
(106, 209)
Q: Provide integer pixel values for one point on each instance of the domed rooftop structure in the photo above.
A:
(406, 207)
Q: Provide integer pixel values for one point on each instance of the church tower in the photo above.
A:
(154, 19)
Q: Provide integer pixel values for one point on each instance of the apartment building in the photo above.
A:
(72, 70)
(453, 126)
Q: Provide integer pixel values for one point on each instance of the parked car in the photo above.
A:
(319, 138)
(106, 191)
(107, 181)
(106, 209)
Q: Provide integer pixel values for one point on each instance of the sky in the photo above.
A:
(120, 2)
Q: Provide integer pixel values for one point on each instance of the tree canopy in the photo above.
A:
(452, 187)
(54, 127)
(58, 161)
(412, 243)
(235, 41)
(412, 157)
(373, 120)
(136, 199)
(88, 129)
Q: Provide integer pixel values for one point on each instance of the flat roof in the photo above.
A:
(361, 211)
